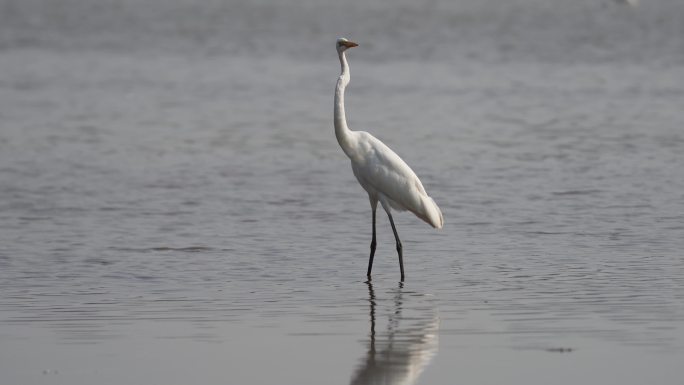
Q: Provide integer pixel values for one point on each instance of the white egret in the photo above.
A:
(379, 170)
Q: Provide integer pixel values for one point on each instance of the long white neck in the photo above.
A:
(342, 132)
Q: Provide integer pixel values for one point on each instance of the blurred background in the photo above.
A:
(492, 30)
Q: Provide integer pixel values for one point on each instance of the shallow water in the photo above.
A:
(174, 206)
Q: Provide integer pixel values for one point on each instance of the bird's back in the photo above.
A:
(387, 177)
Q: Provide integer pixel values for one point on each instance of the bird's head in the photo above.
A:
(344, 44)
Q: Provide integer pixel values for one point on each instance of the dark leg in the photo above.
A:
(399, 248)
(372, 253)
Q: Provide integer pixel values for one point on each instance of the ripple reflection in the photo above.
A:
(400, 353)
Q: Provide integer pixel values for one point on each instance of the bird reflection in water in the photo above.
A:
(401, 353)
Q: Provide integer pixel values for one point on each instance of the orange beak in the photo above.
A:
(350, 44)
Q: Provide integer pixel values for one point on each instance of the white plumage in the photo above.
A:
(388, 179)
(379, 170)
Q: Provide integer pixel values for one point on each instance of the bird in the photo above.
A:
(379, 170)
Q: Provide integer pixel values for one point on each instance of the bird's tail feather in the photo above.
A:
(431, 213)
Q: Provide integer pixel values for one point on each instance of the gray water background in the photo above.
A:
(174, 207)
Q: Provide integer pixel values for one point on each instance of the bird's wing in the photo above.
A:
(388, 174)
(381, 170)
